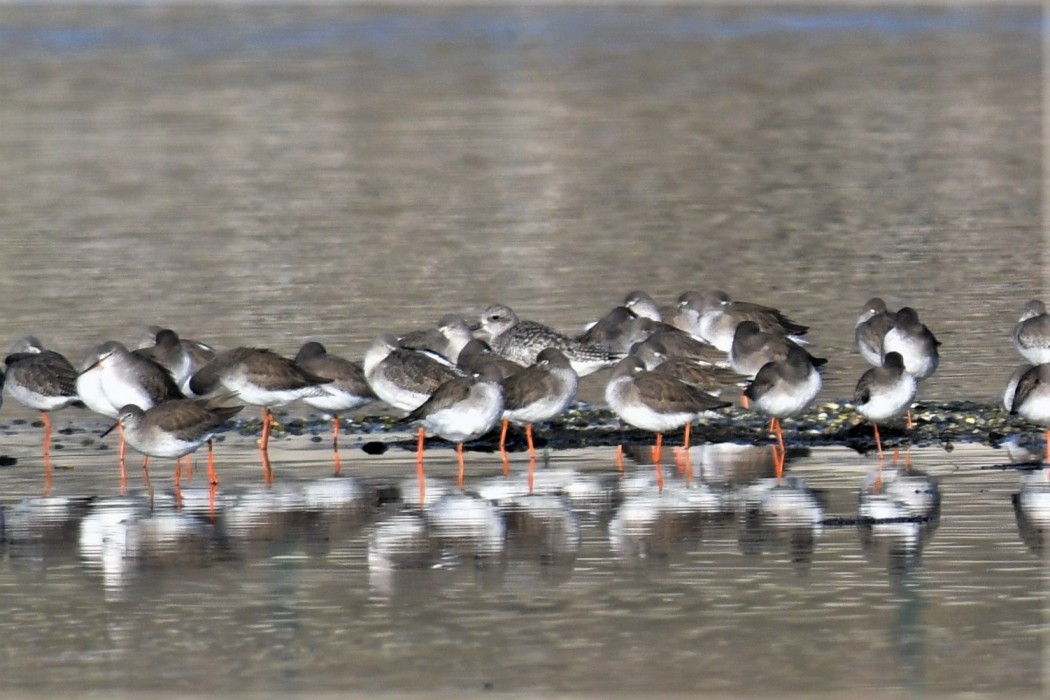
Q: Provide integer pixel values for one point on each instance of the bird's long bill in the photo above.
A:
(109, 430)
(94, 364)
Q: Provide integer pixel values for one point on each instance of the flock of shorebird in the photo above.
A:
(463, 378)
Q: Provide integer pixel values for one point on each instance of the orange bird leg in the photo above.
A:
(462, 467)
(911, 423)
(264, 443)
(503, 447)
(778, 462)
(264, 438)
(658, 448)
(778, 430)
(178, 472)
(47, 453)
(419, 467)
(679, 458)
(689, 467)
(532, 471)
(47, 439)
(878, 440)
(619, 458)
(122, 448)
(657, 451)
(213, 478)
(145, 474)
(335, 445)
(744, 401)
(528, 441)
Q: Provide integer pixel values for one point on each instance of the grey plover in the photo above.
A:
(522, 340)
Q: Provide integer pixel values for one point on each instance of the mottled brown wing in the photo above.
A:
(411, 368)
(707, 378)
(47, 372)
(668, 395)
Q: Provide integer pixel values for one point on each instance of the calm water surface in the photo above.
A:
(595, 583)
(265, 175)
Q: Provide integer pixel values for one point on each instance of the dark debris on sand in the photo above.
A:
(831, 423)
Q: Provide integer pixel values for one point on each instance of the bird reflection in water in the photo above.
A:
(1032, 510)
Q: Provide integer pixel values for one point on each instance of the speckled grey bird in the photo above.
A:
(1032, 333)
(873, 322)
(522, 340)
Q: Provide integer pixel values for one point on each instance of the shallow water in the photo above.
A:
(259, 176)
(596, 583)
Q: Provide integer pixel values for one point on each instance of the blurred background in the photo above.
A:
(264, 175)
